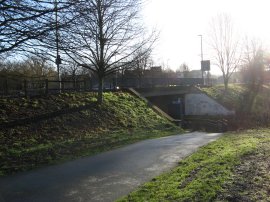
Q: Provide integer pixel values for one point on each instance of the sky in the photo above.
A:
(181, 21)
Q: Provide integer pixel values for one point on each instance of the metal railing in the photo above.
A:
(11, 87)
(30, 86)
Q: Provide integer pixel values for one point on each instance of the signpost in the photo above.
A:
(205, 64)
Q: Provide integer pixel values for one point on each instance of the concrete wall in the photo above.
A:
(201, 104)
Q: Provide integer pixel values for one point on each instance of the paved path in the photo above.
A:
(104, 177)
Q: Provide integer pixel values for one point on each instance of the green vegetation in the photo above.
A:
(19, 108)
(236, 97)
(251, 105)
(233, 168)
(231, 98)
(120, 120)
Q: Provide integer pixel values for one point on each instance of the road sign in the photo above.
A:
(205, 65)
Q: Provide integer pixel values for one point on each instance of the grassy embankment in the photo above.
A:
(252, 107)
(121, 120)
(233, 168)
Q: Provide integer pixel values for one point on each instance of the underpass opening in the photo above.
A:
(194, 109)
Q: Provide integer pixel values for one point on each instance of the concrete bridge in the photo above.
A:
(185, 103)
(164, 91)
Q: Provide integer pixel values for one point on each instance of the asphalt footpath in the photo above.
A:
(103, 177)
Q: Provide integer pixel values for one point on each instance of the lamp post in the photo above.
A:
(201, 57)
(115, 87)
(58, 58)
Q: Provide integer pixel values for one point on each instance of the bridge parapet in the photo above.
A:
(171, 90)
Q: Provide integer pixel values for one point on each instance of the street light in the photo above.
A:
(201, 47)
(58, 58)
(201, 57)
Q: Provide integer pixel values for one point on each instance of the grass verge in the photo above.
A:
(121, 120)
(214, 171)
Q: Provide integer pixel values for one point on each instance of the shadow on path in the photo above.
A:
(104, 177)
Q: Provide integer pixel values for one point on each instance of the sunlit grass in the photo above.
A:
(121, 120)
(201, 176)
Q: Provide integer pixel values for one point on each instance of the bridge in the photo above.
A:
(185, 103)
(164, 91)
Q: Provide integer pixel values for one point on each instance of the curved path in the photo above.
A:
(104, 177)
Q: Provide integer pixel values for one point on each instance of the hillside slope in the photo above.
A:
(252, 107)
(77, 127)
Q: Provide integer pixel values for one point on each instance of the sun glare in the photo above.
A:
(180, 23)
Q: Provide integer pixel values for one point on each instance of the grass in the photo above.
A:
(251, 105)
(237, 95)
(121, 120)
(232, 99)
(216, 172)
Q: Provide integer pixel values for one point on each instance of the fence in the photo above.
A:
(14, 87)
(27, 87)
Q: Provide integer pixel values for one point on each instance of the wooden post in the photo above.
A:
(62, 84)
(74, 84)
(90, 84)
(84, 84)
(6, 86)
(46, 87)
(25, 87)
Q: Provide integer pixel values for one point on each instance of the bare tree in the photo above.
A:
(73, 69)
(183, 69)
(27, 20)
(39, 67)
(30, 67)
(225, 45)
(142, 61)
(253, 71)
(105, 36)
(254, 63)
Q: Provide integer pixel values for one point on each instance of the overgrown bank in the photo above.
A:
(251, 105)
(122, 119)
(233, 168)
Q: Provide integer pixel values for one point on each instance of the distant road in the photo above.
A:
(104, 177)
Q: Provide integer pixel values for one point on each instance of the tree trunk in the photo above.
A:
(100, 90)
(252, 93)
(226, 81)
